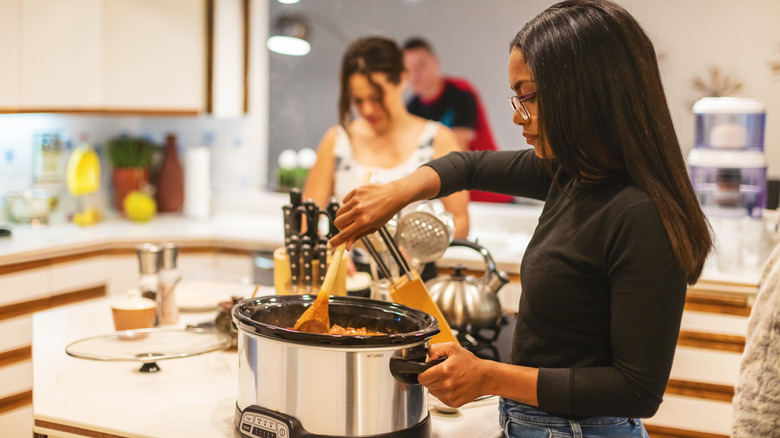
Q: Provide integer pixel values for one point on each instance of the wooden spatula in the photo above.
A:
(315, 319)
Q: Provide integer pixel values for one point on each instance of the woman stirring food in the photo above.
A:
(386, 139)
(621, 233)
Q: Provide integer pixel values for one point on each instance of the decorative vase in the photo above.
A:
(170, 184)
(126, 180)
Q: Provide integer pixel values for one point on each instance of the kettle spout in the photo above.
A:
(496, 281)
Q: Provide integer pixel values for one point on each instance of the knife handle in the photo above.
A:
(306, 256)
(312, 217)
(296, 197)
(294, 256)
(287, 214)
(332, 209)
(322, 258)
(299, 218)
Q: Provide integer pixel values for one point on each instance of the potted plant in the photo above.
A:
(131, 158)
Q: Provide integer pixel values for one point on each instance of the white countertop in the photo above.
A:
(503, 229)
(190, 397)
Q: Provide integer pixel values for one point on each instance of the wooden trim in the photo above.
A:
(80, 295)
(715, 298)
(24, 266)
(714, 308)
(75, 430)
(725, 284)
(700, 390)
(14, 356)
(246, 18)
(715, 301)
(43, 263)
(671, 432)
(77, 257)
(712, 341)
(209, 56)
(146, 112)
(27, 307)
(15, 401)
(234, 251)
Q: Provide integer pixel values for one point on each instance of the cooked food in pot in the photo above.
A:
(336, 329)
(351, 331)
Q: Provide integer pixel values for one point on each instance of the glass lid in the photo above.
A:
(149, 345)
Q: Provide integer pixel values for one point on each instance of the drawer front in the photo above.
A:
(707, 366)
(16, 378)
(15, 333)
(692, 414)
(17, 422)
(714, 323)
(122, 274)
(27, 285)
(78, 275)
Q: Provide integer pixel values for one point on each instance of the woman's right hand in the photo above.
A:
(370, 206)
(365, 210)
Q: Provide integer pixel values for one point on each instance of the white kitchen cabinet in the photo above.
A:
(123, 56)
(61, 54)
(154, 54)
(9, 47)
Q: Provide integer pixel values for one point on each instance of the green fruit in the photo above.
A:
(139, 206)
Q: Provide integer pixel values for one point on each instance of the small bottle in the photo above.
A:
(170, 184)
(169, 278)
(149, 263)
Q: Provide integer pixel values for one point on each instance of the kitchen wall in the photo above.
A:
(472, 39)
(233, 159)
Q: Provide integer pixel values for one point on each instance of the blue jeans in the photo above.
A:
(523, 421)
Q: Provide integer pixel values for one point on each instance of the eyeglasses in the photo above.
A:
(519, 106)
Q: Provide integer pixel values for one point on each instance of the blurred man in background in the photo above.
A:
(451, 101)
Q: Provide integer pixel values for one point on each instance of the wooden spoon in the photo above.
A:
(316, 319)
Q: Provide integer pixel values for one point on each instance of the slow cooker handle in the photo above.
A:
(406, 370)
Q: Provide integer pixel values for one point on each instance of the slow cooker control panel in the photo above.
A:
(263, 426)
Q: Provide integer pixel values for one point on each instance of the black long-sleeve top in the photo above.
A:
(602, 293)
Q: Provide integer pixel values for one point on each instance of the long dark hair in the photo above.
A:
(366, 56)
(603, 112)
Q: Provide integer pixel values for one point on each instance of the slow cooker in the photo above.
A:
(295, 384)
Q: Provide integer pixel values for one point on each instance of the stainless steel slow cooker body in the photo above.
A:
(334, 385)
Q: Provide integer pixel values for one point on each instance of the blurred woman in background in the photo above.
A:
(385, 138)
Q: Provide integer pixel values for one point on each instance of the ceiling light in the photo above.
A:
(290, 36)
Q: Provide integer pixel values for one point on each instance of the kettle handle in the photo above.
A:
(493, 278)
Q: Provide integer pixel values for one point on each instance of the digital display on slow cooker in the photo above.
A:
(261, 426)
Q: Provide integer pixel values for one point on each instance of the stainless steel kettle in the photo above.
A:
(469, 303)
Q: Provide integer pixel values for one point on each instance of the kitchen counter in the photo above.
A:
(505, 230)
(255, 223)
(190, 397)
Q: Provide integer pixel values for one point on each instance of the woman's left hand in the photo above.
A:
(459, 379)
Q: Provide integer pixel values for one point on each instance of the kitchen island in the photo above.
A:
(189, 397)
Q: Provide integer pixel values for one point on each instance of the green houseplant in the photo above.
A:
(130, 158)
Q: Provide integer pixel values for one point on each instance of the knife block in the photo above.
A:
(284, 286)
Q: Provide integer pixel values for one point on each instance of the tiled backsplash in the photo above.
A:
(235, 150)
